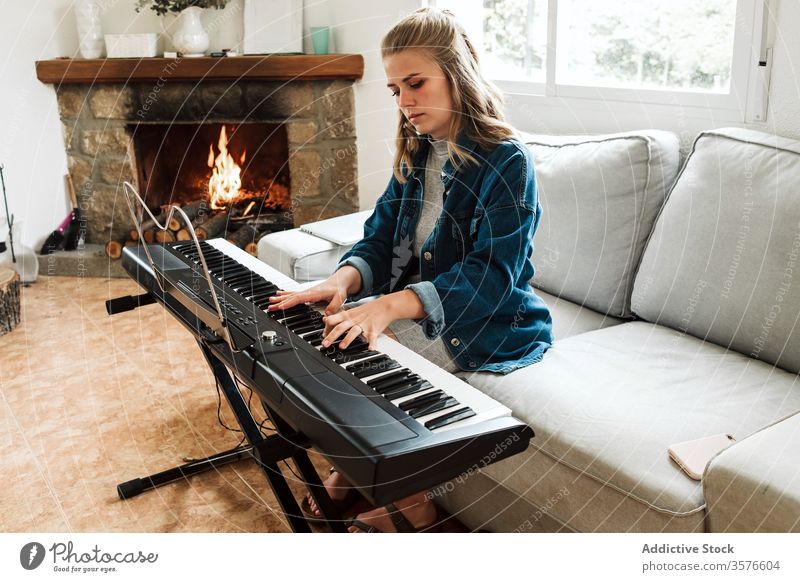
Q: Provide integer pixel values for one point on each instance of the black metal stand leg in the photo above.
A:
(313, 483)
(267, 452)
(134, 487)
(277, 481)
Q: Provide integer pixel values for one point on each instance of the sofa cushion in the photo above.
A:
(606, 404)
(754, 485)
(599, 195)
(299, 255)
(571, 319)
(724, 256)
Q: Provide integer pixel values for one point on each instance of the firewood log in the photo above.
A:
(163, 236)
(9, 299)
(245, 235)
(175, 223)
(194, 210)
(114, 248)
(151, 224)
(183, 233)
(213, 226)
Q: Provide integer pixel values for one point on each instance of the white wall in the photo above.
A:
(32, 150)
(358, 27)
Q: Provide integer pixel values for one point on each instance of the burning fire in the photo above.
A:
(226, 176)
(225, 184)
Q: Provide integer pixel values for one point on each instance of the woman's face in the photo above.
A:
(421, 91)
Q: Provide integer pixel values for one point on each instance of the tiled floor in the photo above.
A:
(88, 401)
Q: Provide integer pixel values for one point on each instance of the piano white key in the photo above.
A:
(485, 407)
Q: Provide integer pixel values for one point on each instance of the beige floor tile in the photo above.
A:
(89, 401)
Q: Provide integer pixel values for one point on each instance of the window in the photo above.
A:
(682, 52)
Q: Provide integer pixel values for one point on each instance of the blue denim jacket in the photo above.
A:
(475, 266)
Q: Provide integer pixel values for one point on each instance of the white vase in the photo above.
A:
(191, 39)
(90, 29)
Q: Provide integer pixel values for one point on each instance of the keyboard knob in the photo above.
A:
(269, 336)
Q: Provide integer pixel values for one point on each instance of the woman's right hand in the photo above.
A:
(335, 290)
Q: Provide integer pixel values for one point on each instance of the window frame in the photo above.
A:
(729, 106)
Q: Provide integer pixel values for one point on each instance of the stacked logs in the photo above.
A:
(9, 300)
(243, 231)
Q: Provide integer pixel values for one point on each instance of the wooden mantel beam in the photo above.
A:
(245, 68)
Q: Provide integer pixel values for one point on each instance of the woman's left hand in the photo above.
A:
(368, 320)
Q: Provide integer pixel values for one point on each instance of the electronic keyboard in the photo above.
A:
(389, 420)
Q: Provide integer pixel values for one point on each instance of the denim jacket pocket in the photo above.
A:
(461, 235)
(475, 224)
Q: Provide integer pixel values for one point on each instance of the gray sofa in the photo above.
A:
(676, 315)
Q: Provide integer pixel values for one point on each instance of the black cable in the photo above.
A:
(288, 466)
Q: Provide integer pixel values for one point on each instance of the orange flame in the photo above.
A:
(226, 176)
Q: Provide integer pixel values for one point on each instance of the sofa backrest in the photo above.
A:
(723, 263)
(600, 196)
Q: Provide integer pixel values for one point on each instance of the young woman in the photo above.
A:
(448, 247)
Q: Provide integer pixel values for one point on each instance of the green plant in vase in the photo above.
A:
(190, 39)
(161, 7)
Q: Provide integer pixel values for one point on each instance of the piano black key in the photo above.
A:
(354, 348)
(363, 362)
(389, 380)
(284, 313)
(356, 345)
(342, 359)
(244, 287)
(449, 418)
(298, 323)
(372, 361)
(424, 399)
(442, 404)
(401, 391)
(235, 280)
(301, 318)
(377, 368)
(260, 294)
(300, 330)
(402, 381)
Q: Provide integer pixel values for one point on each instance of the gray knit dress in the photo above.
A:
(408, 332)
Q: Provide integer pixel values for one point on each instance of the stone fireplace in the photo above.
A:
(157, 133)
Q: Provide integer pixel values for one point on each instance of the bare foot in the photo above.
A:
(336, 486)
(418, 509)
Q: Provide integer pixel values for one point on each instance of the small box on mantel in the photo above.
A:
(126, 46)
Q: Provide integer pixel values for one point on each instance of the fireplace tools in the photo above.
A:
(9, 219)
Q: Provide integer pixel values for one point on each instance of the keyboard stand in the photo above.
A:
(266, 451)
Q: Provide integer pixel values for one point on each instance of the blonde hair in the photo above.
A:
(476, 102)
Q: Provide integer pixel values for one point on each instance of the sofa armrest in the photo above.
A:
(754, 485)
(313, 255)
